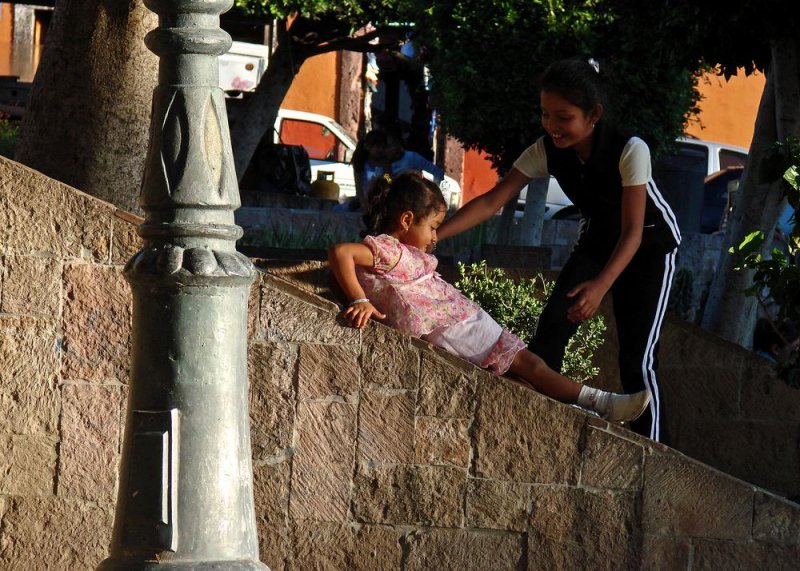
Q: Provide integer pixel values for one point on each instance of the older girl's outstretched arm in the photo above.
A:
(485, 206)
(343, 259)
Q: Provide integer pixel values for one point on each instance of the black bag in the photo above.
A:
(280, 168)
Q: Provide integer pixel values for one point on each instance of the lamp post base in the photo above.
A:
(112, 564)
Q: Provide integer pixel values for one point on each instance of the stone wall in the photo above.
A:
(723, 404)
(371, 450)
(64, 329)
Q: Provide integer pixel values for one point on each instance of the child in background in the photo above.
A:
(393, 269)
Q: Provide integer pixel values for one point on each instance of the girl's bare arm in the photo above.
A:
(343, 259)
(485, 206)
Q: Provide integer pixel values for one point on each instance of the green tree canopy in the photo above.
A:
(487, 57)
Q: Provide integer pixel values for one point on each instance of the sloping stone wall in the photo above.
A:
(64, 328)
(371, 450)
(723, 404)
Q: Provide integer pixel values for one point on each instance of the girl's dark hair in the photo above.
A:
(576, 81)
(390, 197)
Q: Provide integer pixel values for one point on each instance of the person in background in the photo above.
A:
(380, 152)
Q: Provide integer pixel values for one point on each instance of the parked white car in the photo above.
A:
(704, 158)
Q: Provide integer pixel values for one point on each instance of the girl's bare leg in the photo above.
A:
(611, 406)
(534, 371)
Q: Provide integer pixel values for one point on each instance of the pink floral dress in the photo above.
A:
(403, 284)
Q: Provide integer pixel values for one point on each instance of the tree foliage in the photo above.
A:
(776, 281)
(486, 59)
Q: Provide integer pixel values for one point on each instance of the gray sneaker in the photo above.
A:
(625, 408)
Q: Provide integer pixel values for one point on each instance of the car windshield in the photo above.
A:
(320, 142)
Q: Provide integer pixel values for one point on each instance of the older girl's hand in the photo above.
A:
(358, 314)
(588, 296)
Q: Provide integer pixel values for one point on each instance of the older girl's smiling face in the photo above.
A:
(568, 125)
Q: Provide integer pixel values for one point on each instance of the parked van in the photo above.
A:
(696, 179)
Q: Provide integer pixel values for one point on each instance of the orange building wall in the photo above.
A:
(478, 177)
(6, 36)
(728, 108)
(314, 88)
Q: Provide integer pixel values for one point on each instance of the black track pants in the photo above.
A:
(640, 297)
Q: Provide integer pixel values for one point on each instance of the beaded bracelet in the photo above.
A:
(359, 300)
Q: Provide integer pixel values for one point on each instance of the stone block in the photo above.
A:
(685, 498)
(664, 553)
(328, 370)
(611, 462)
(497, 505)
(522, 436)
(765, 396)
(125, 241)
(572, 527)
(712, 555)
(54, 533)
(325, 433)
(760, 452)
(271, 369)
(51, 218)
(386, 426)
(320, 493)
(323, 461)
(445, 390)
(29, 399)
(308, 275)
(32, 285)
(409, 495)
(686, 398)
(332, 546)
(688, 344)
(27, 465)
(442, 441)
(776, 520)
(465, 550)
(97, 324)
(388, 359)
(271, 491)
(285, 317)
(90, 447)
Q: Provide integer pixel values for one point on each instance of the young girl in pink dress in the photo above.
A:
(391, 276)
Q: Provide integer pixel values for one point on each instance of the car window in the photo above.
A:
(319, 142)
(729, 158)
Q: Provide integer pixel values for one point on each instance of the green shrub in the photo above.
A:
(516, 305)
(9, 135)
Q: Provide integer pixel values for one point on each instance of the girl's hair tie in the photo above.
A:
(387, 177)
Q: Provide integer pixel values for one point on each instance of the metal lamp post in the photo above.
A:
(185, 498)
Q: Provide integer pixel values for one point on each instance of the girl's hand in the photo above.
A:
(358, 314)
(589, 295)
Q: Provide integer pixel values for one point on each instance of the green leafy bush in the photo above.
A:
(9, 135)
(516, 305)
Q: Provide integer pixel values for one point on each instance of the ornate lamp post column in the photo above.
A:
(186, 493)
